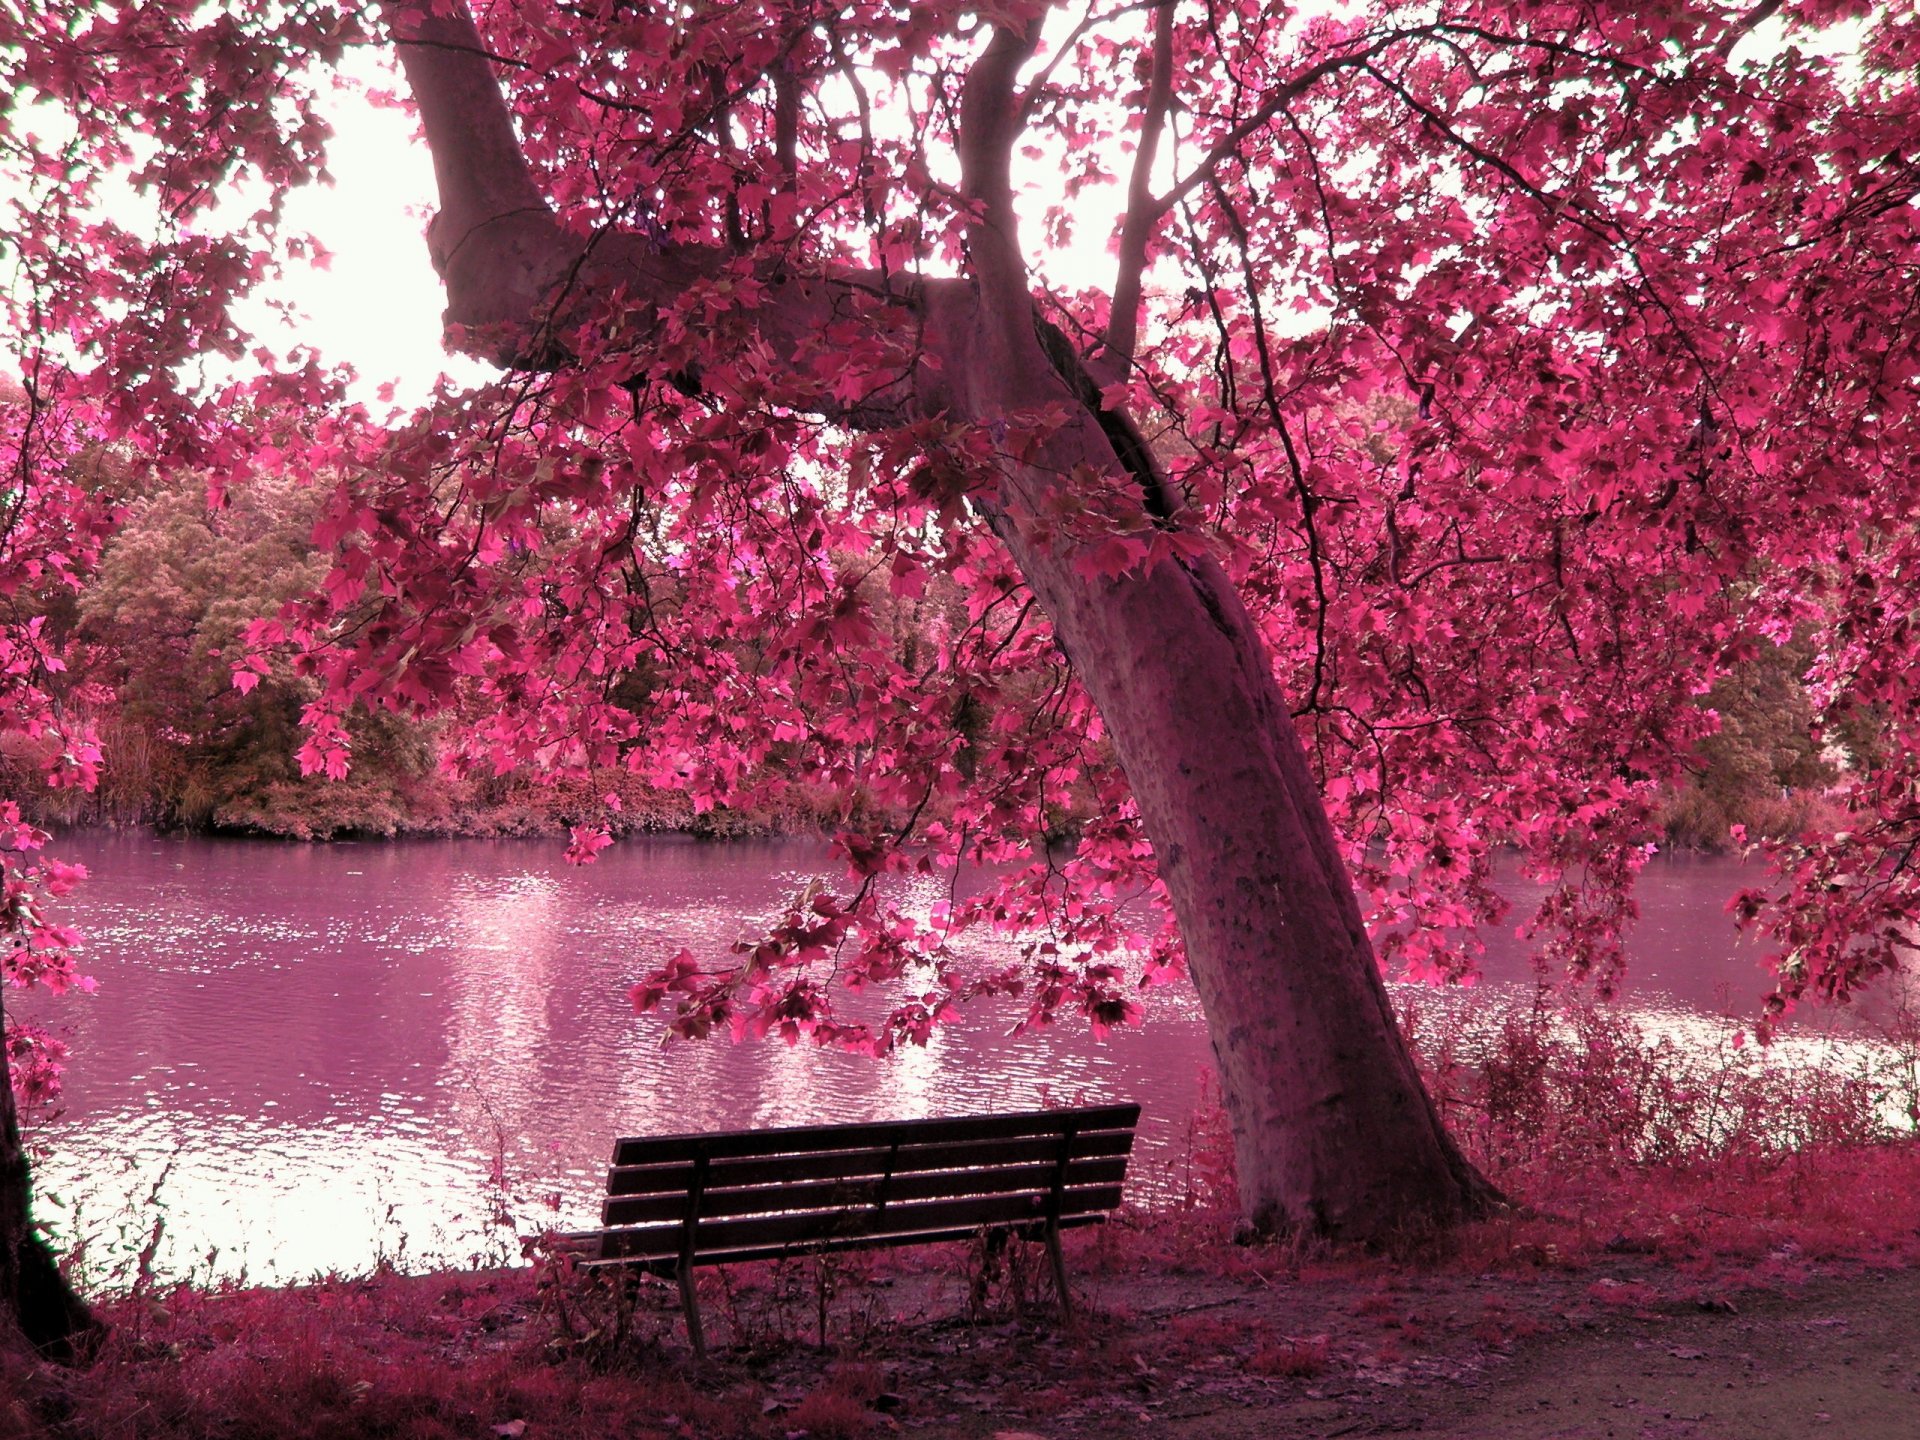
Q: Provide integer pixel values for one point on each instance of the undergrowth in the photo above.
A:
(1559, 1091)
(1559, 1097)
(1611, 1133)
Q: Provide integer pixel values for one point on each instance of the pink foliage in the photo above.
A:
(50, 533)
(1612, 375)
(585, 842)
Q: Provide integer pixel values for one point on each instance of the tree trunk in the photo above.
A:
(34, 1295)
(1333, 1132)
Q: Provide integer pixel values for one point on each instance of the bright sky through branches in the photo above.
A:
(377, 304)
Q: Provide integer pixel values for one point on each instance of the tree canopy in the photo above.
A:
(1494, 379)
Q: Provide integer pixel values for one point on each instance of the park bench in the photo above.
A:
(676, 1202)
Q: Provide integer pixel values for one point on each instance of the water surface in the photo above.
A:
(313, 1058)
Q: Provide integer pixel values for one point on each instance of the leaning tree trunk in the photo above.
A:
(1334, 1134)
(34, 1295)
(1333, 1131)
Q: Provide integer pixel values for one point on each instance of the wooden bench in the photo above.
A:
(680, 1201)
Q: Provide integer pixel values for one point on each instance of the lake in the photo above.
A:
(308, 1058)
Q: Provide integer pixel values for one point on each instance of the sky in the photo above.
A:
(377, 305)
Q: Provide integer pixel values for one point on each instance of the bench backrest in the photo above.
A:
(759, 1194)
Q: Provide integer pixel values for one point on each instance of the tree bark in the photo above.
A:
(1334, 1134)
(34, 1295)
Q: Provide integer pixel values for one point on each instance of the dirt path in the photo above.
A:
(1842, 1359)
(1646, 1353)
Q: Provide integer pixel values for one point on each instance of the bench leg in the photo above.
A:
(1059, 1272)
(690, 1306)
(624, 1285)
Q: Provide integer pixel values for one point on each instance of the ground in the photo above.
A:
(1779, 1318)
(1840, 1357)
(1641, 1352)
(1625, 1347)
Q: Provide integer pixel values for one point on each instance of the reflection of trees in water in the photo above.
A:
(506, 1077)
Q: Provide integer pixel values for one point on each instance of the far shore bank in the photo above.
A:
(714, 826)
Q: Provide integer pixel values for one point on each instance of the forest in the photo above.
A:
(1490, 441)
(150, 634)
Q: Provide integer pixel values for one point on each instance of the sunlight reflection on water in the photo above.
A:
(316, 1057)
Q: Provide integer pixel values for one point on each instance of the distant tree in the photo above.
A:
(176, 590)
(1764, 771)
(760, 284)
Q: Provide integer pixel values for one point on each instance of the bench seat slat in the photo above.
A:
(660, 1149)
(674, 1177)
(806, 1232)
(827, 1195)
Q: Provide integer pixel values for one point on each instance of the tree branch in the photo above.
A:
(786, 123)
(953, 347)
(1275, 102)
(1279, 99)
(1037, 87)
(989, 125)
(1744, 27)
(482, 176)
(520, 286)
(1142, 216)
